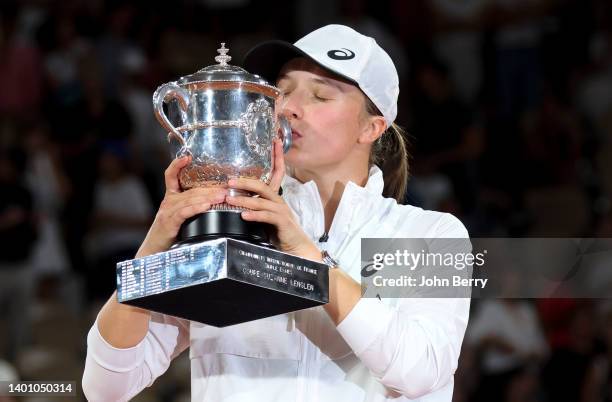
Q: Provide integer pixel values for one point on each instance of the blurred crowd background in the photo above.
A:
(508, 106)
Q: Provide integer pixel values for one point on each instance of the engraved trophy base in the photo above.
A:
(216, 224)
(222, 282)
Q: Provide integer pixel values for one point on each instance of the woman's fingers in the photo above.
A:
(177, 207)
(195, 196)
(172, 172)
(198, 199)
(212, 192)
(189, 211)
(255, 186)
(256, 203)
(261, 216)
(279, 166)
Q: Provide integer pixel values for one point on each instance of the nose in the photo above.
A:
(291, 107)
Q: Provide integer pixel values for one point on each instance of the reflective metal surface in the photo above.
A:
(222, 282)
(225, 118)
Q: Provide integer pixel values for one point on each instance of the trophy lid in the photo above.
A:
(223, 72)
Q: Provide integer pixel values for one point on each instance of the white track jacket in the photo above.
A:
(384, 350)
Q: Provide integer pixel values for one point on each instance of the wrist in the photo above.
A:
(150, 247)
(329, 260)
(311, 252)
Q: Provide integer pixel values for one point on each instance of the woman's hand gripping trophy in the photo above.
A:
(176, 207)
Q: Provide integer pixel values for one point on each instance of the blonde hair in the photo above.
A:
(390, 153)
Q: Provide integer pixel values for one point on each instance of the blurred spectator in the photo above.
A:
(565, 372)
(20, 68)
(115, 44)
(593, 100)
(311, 14)
(355, 14)
(553, 140)
(49, 187)
(151, 151)
(554, 314)
(121, 216)
(594, 95)
(565, 44)
(604, 228)
(17, 235)
(598, 380)
(77, 128)
(7, 373)
(517, 43)
(412, 21)
(516, 79)
(66, 52)
(448, 139)
(458, 42)
(507, 337)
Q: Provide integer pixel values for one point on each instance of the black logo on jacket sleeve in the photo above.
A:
(344, 54)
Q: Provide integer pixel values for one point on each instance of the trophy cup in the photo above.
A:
(223, 269)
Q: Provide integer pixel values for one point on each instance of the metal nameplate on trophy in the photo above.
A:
(222, 282)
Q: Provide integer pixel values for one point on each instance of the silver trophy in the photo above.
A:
(225, 118)
(223, 269)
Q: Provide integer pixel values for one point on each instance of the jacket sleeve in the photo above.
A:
(412, 346)
(113, 374)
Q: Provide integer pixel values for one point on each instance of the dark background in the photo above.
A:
(508, 106)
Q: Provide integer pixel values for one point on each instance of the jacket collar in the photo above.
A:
(305, 200)
(374, 185)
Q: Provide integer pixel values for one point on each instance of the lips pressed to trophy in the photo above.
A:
(223, 270)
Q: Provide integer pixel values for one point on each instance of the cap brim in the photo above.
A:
(268, 58)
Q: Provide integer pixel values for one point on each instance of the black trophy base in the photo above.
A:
(222, 282)
(223, 302)
(218, 224)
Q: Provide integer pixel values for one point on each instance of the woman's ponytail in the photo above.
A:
(390, 154)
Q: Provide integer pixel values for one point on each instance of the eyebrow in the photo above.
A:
(322, 80)
(327, 81)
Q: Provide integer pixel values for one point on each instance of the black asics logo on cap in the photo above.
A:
(344, 54)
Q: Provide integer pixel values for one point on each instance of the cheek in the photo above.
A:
(334, 130)
(332, 134)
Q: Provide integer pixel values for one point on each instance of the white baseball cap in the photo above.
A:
(341, 50)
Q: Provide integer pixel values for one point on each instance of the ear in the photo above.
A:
(373, 128)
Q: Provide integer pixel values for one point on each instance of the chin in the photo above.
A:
(295, 160)
(292, 157)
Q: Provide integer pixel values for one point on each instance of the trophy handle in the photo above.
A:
(166, 93)
(285, 129)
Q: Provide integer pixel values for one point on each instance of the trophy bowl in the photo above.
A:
(226, 119)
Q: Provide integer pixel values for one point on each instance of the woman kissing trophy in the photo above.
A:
(222, 270)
